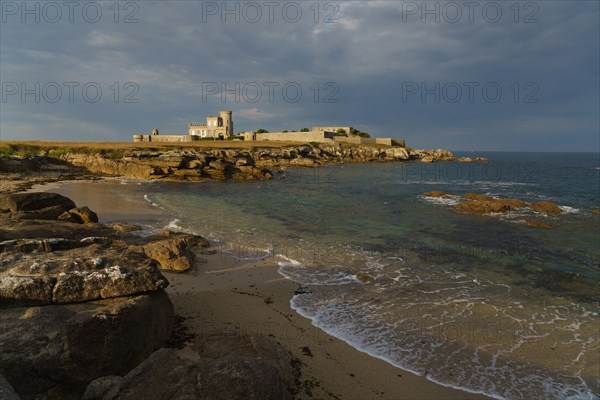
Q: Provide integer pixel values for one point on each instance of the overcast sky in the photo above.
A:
(456, 75)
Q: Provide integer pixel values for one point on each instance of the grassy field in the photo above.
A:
(38, 147)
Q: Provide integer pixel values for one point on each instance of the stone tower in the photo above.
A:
(227, 122)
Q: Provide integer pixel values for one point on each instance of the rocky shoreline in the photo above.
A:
(194, 164)
(84, 313)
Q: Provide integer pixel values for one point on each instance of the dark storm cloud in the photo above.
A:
(372, 57)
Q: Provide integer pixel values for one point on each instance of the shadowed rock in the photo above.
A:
(6, 390)
(84, 215)
(55, 351)
(248, 367)
(17, 202)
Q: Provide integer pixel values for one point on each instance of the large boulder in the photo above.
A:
(15, 228)
(83, 215)
(211, 368)
(173, 250)
(396, 153)
(6, 390)
(54, 352)
(24, 202)
(65, 271)
(44, 206)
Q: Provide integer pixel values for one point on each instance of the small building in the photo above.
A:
(216, 127)
(220, 127)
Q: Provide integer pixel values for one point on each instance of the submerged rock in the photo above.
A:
(364, 278)
(537, 223)
(435, 193)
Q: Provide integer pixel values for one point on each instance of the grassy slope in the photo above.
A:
(55, 148)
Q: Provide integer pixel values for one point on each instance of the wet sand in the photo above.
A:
(222, 294)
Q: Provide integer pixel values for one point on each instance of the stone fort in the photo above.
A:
(221, 128)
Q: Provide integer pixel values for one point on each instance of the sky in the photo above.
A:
(460, 75)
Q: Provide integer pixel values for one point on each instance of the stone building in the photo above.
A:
(216, 127)
(220, 127)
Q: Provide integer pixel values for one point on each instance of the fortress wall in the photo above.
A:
(385, 141)
(355, 140)
(169, 138)
(360, 140)
(294, 137)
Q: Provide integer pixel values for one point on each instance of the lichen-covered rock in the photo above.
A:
(109, 282)
(26, 290)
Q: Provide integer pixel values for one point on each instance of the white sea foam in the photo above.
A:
(174, 225)
(147, 198)
(448, 200)
(569, 210)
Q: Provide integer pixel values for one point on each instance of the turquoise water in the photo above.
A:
(484, 303)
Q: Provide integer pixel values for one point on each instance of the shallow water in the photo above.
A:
(484, 303)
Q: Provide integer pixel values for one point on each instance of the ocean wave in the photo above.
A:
(147, 198)
(448, 200)
(295, 271)
(569, 210)
(174, 225)
(424, 352)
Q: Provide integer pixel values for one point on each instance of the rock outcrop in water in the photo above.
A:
(476, 203)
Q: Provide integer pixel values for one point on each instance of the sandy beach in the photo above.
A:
(223, 294)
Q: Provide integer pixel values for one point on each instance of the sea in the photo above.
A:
(484, 303)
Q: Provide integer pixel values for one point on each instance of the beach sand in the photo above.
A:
(222, 294)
